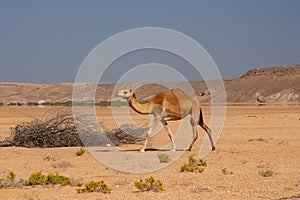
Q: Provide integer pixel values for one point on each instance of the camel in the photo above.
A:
(168, 106)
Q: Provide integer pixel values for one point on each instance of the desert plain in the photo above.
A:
(254, 139)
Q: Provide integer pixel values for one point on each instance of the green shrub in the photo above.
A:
(103, 103)
(39, 179)
(79, 184)
(226, 171)
(149, 184)
(266, 173)
(119, 103)
(36, 179)
(163, 158)
(47, 158)
(188, 168)
(202, 162)
(193, 165)
(57, 179)
(93, 186)
(11, 176)
(15, 104)
(80, 152)
(32, 104)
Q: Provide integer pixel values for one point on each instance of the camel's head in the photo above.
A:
(124, 93)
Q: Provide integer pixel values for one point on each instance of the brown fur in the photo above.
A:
(169, 106)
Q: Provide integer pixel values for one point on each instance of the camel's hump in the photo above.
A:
(178, 92)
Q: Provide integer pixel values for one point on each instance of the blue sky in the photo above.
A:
(46, 41)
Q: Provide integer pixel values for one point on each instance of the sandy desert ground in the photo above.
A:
(254, 138)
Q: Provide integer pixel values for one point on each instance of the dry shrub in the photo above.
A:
(61, 130)
(62, 164)
(52, 130)
(95, 186)
(149, 184)
(127, 134)
(194, 165)
(10, 181)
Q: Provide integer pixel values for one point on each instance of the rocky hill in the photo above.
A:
(282, 71)
(270, 84)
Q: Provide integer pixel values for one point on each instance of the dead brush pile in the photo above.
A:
(127, 134)
(52, 130)
(61, 130)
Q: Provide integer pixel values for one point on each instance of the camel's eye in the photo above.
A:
(125, 92)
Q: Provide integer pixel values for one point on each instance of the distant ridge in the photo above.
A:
(274, 71)
(261, 85)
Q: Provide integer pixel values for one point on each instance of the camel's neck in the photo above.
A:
(142, 108)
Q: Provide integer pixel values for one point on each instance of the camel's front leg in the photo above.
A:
(152, 125)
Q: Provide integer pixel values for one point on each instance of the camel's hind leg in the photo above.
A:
(194, 122)
(208, 131)
(169, 134)
(195, 134)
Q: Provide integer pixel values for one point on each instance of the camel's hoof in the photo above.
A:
(142, 150)
(213, 148)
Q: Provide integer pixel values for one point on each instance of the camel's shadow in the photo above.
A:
(137, 150)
